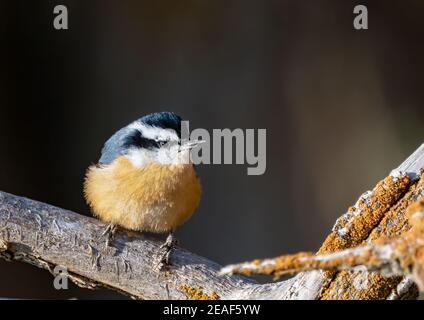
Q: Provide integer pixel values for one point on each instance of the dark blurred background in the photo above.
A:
(341, 107)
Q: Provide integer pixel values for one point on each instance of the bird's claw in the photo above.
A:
(109, 232)
(167, 247)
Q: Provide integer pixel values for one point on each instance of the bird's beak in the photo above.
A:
(190, 144)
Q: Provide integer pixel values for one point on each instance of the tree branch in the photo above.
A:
(47, 236)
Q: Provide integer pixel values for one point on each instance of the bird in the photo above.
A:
(144, 179)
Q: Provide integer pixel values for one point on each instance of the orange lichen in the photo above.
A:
(362, 218)
(198, 294)
(394, 224)
(375, 286)
(280, 265)
(303, 261)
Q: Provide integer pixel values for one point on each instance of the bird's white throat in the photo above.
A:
(166, 155)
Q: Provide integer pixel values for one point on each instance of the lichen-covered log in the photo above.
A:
(378, 215)
(394, 224)
(401, 256)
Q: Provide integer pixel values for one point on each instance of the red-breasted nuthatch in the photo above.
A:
(144, 180)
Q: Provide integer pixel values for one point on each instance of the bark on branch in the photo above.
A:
(46, 236)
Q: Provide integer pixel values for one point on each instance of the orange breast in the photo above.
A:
(154, 198)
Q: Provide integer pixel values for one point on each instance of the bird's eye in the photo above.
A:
(161, 142)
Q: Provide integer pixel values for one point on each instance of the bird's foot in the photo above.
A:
(165, 250)
(109, 232)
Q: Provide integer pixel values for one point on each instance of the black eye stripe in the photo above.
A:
(137, 140)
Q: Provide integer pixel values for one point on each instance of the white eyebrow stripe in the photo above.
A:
(154, 133)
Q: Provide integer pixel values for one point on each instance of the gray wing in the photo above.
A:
(114, 147)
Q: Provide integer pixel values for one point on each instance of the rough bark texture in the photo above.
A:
(47, 236)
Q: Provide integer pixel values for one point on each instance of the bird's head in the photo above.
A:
(153, 138)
